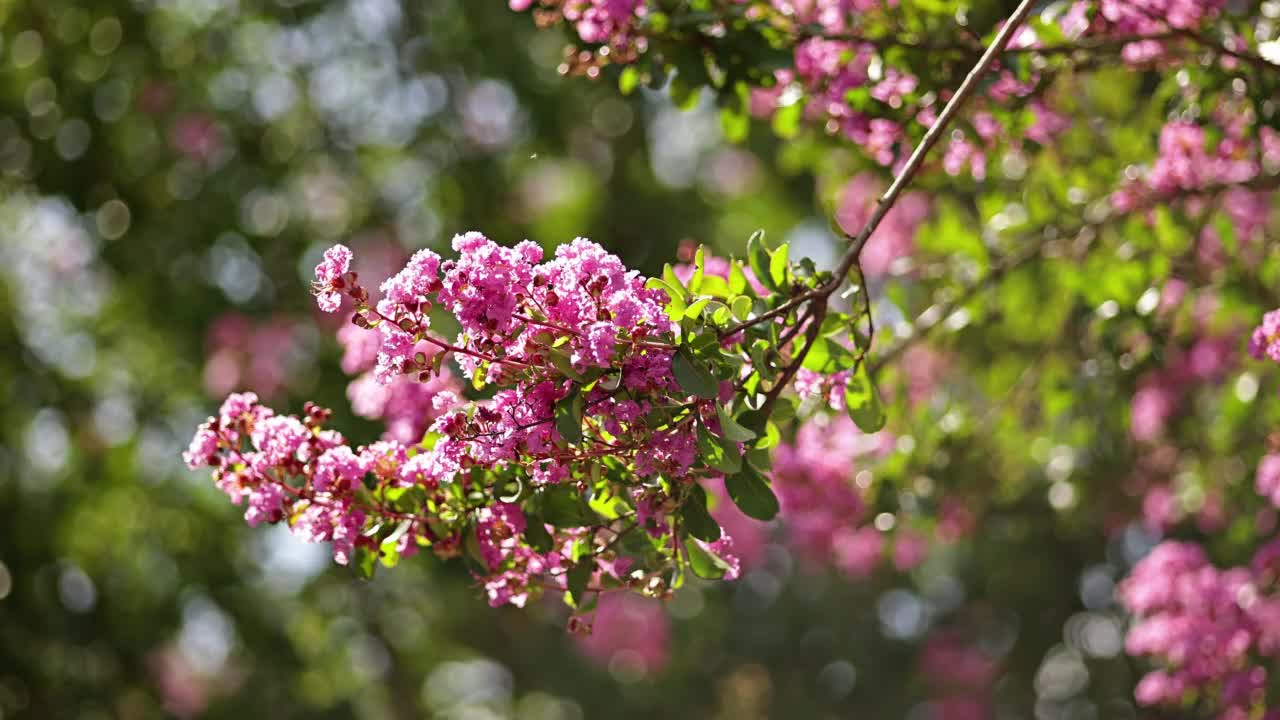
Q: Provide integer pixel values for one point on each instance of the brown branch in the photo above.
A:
(811, 338)
(904, 177)
(1198, 37)
(921, 327)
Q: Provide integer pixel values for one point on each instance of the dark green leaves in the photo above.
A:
(828, 357)
(752, 494)
(730, 429)
(692, 377)
(718, 453)
(862, 401)
(564, 506)
(366, 561)
(537, 536)
(704, 564)
(577, 579)
(569, 417)
(778, 266)
(786, 120)
(758, 258)
(696, 519)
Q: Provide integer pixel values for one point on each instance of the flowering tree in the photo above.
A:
(918, 352)
(609, 409)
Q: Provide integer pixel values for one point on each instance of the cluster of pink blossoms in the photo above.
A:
(1162, 392)
(1265, 341)
(244, 353)
(1147, 22)
(895, 238)
(611, 24)
(824, 511)
(961, 673)
(1210, 630)
(571, 473)
(404, 404)
(830, 64)
(1187, 172)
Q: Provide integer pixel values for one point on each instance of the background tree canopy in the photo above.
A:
(1063, 301)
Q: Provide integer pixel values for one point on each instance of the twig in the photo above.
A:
(1196, 36)
(920, 328)
(904, 177)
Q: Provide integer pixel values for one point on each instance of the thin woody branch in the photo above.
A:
(903, 178)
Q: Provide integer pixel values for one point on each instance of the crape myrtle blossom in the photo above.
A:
(581, 468)
(1264, 343)
(1210, 631)
(837, 80)
(1237, 172)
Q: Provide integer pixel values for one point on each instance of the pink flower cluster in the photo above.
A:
(611, 24)
(1161, 392)
(242, 353)
(1188, 169)
(833, 66)
(1148, 22)
(1265, 341)
(1211, 631)
(255, 452)
(823, 514)
(894, 239)
(829, 66)
(961, 673)
(404, 404)
(577, 355)
(630, 633)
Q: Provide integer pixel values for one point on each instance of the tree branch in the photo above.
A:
(904, 177)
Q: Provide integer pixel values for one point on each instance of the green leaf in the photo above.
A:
(560, 358)
(696, 519)
(741, 307)
(669, 277)
(577, 579)
(828, 357)
(778, 266)
(535, 533)
(737, 278)
(699, 270)
(783, 410)
(862, 401)
(695, 310)
(717, 453)
(692, 378)
(786, 120)
(704, 564)
(715, 286)
(609, 507)
(772, 436)
(735, 123)
(366, 562)
(752, 494)
(758, 257)
(675, 295)
(730, 429)
(564, 506)
(569, 417)
(388, 549)
(720, 314)
(628, 80)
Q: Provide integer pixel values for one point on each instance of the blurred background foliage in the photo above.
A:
(170, 171)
